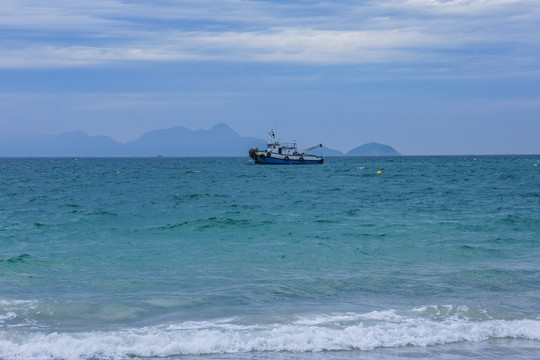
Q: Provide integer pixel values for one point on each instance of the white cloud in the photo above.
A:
(57, 15)
(315, 46)
(74, 56)
(283, 45)
(463, 7)
(60, 33)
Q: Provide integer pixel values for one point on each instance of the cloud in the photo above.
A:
(462, 7)
(434, 33)
(279, 45)
(76, 56)
(315, 46)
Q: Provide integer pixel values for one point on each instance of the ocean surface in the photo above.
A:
(219, 258)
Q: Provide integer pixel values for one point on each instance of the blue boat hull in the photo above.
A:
(280, 159)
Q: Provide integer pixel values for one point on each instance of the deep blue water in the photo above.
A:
(219, 258)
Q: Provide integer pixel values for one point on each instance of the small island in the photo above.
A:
(373, 149)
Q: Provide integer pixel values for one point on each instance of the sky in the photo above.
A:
(428, 77)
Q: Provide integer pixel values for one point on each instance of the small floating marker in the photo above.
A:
(379, 172)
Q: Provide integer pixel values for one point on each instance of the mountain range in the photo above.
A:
(220, 140)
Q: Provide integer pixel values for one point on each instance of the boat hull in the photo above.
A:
(280, 159)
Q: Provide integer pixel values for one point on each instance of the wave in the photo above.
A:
(17, 259)
(421, 327)
(213, 222)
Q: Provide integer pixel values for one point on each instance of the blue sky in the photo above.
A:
(424, 76)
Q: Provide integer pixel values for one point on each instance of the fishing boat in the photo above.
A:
(278, 152)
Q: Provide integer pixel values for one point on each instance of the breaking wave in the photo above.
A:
(427, 326)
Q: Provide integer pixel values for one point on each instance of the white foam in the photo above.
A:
(6, 316)
(11, 303)
(349, 331)
(12, 310)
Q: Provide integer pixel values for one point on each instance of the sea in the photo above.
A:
(220, 258)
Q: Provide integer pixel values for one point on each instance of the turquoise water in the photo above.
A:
(219, 258)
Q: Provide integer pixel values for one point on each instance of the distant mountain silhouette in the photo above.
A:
(220, 140)
(373, 149)
(67, 144)
(324, 151)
